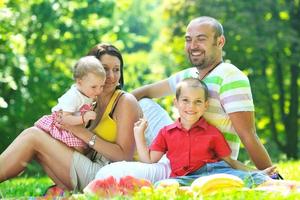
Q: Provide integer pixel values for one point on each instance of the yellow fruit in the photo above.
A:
(213, 183)
(168, 183)
(185, 190)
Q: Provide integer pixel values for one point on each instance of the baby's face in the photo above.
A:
(91, 85)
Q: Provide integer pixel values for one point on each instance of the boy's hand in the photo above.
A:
(89, 115)
(140, 127)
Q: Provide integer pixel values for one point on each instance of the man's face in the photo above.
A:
(200, 44)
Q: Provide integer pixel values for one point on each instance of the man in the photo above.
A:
(230, 109)
(231, 106)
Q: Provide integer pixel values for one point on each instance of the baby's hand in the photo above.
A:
(89, 115)
(140, 127)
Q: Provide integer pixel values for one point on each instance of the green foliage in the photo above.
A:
(261, 40)
(41, 41)
(24, 187)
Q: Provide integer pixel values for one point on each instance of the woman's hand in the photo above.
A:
(58, 121)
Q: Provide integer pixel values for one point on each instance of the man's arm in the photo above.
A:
(243, 123)
(154, 90)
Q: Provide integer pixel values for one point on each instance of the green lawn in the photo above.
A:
(35, 183)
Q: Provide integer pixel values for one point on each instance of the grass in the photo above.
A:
(35, 183)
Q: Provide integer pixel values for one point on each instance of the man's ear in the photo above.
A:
(221, 41)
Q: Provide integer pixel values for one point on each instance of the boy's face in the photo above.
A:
(191, 104)
(90, 85)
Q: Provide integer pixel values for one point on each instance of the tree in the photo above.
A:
(262, 40)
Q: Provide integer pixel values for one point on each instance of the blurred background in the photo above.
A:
(40, 41)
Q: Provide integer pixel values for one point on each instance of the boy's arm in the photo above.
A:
(241, 166)
(145, 154)
(70, 119)
(155, 90)
(235, 164)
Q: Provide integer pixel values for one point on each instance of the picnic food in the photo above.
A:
(168, 183)
(213, 183)
(110, 187)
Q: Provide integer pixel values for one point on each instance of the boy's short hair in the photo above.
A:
(192, 82)
(88, 64)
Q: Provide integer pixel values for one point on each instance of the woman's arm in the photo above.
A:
(126, 114)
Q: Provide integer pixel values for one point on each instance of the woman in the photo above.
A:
(117, 112)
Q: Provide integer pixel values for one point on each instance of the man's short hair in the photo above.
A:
(214, 23)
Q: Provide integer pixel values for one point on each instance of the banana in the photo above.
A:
(168, 183)
(212, 183)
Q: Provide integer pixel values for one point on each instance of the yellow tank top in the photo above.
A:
(107, 127)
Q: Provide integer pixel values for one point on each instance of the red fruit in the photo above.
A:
(128, 185)
(54, 191)
(103, 187)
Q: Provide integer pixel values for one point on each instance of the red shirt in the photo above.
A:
(189, 150)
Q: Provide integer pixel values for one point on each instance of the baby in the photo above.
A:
(76, 104)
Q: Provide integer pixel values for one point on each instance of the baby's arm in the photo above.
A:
(70, 119)
(241, 166)
(145, 154)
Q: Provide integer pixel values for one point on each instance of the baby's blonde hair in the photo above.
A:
(88, 64)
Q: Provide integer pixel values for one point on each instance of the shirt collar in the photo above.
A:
(201, 123)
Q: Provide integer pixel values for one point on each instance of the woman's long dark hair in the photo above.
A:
(102, 49)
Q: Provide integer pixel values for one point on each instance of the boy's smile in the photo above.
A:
(191, 105)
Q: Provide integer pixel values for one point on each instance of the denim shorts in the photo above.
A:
(250, 178)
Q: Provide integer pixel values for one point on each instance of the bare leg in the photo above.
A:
(55, 179)
(54, 156)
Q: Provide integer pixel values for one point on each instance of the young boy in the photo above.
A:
(194, 147)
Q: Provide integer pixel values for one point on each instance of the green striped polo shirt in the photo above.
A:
(229, 92)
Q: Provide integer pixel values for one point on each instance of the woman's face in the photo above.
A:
(112, 66)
